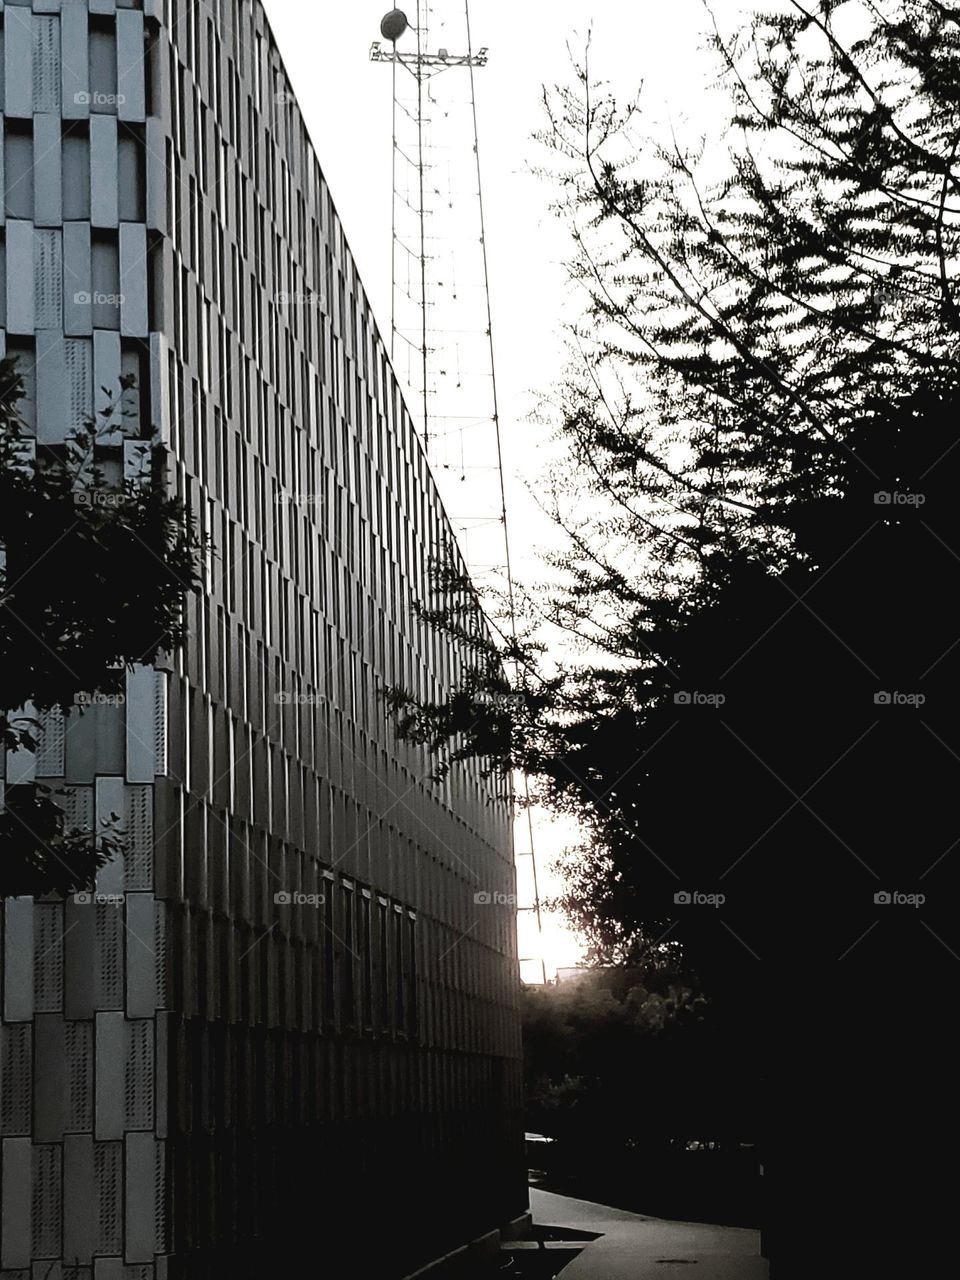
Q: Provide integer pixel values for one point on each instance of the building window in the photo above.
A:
(399, 986)
(18, 169)
(329, 953)
(365, 949)
(103, 65)
(383, 964)
(410, 971)
(347, 957)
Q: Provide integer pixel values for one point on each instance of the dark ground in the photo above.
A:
(720, 1187)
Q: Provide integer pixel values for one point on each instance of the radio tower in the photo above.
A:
(441, 329)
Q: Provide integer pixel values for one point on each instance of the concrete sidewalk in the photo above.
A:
(633, 1247)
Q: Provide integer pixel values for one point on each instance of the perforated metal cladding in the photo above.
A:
(79, 1048)
(161, 971)
(160, 723)
(46, 64)
(48, 957)
(46, 1203)
(16, 1077)
(138, 837)
(78, 357)
(138, 1074)
(47, 277)
(77, 805)
(160, 1225)
(50, 748)
(110, 955)
(108, 1177)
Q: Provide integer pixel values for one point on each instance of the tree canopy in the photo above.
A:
(760, 419)
(96, 560)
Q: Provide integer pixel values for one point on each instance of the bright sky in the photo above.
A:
(346, 102)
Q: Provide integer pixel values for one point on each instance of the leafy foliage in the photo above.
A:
(94, 573)
(760, 414)
(598, 1048)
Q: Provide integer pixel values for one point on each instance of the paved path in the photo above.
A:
(633, 1247)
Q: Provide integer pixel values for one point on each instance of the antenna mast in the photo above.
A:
(441, 319)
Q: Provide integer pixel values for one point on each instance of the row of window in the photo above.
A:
(363, 971)
(73, 173)
(369, 960)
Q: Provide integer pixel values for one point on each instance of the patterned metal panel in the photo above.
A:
(160, 725)
(16, 1078)
(79, 1053)
(47, 1207)
(138, 1079)
(108, 1179)
(46, 64)
(47, 278)
(110, 948)
(48, 957)
(50, 748)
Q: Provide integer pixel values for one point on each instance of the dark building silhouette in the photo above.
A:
(286, 1023)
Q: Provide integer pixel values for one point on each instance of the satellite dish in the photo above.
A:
(394, 25)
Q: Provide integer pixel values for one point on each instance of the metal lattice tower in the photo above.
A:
(441, 330)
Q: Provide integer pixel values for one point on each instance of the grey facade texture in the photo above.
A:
(285, 1026)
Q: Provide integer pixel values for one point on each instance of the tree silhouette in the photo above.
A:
(761, 417)
(94, 571)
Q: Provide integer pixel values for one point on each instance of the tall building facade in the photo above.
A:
(285, 1025)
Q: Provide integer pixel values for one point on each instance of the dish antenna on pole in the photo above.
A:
(394, 24)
